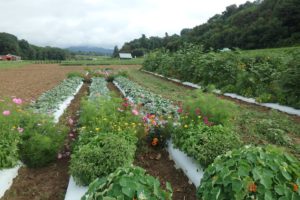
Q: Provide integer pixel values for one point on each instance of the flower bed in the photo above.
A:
(107, 140)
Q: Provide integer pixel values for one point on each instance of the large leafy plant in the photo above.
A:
(252, 173)
(127, 184)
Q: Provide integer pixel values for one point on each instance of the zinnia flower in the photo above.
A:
(71, 121)
(135, 112)
(20, 129)
(17, 101)
(6, 112)
(180, 110)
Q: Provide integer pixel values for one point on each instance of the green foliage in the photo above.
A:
(98, 88)
(217, 110)
(50, 100)
(41, 140)
(103, 115)
(102, 155)
(9, 44)
(272, 126)
(75, 74)
(151, 102)
(9, 134)
(268, 77)
(205, 143)
(252, 173)
(128, 183)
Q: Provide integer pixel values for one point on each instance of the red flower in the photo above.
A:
(180, 110)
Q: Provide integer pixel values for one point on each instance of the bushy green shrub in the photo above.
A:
(127, 184)
(39, 150)
(41, 140)
(102, 155)
(205, 143)
(252, 173)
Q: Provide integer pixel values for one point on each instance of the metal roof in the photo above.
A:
(125, 55)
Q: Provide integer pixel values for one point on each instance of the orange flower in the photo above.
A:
(252, 187)
(154, 142)
(295, 187)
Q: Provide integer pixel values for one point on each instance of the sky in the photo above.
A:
(102, 23)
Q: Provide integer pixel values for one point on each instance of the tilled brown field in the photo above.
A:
(30, 81)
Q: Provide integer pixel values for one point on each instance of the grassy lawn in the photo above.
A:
(13, 64)
(102, 60)
(249, 122)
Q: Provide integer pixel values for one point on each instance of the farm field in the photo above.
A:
(100, 120)
(5, 64)
(102, 60)
(30, 81)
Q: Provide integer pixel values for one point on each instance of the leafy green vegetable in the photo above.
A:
(252, 173)
(127, 184)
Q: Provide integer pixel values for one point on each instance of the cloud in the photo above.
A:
(101, 22)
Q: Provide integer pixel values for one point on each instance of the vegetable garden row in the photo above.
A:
(112, 129)
(267, 78)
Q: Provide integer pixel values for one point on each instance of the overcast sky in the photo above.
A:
(102, 23)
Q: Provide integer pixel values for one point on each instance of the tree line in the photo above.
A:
(252, 25)
(9, 44)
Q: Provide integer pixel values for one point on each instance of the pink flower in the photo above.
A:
(145, 118)
(125, 104)
(59, 156)
(6, 112)
(71, 121)
(18, 101)
(20, 129)
(135, 112)
(71, 135)
(198, 111)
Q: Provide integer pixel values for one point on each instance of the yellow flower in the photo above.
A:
(186, 126)
(199, 117)
(169, 117)
(97, 129)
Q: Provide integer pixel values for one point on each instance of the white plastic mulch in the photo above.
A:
(75, 192)
(123, 92)
(275, 106)
(189, 166)
(6, 178)
(63, 106)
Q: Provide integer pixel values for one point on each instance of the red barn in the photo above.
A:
(9, 57)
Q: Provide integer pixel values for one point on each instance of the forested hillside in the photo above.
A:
(9, 44)
(253, 25)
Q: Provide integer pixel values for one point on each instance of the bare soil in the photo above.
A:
(30, 81)
(157, 163)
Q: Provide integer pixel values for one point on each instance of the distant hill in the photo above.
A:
(90, 50)
(252, 25)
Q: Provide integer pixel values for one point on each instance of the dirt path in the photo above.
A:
(49, 182)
